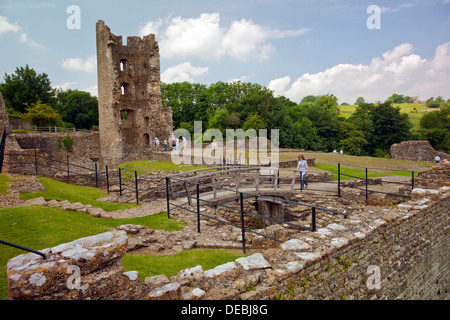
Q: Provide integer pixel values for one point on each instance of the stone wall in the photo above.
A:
(416, 151)
(85, 147)
(434, 177)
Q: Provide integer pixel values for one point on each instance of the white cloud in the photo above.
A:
(92, 90)
(396, 71)
(6, 26)
(65, 85)
(151, 27)
(205, 37)
(183, 72)
(31, 43)
(78, 64)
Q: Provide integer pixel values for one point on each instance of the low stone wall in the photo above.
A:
(434, 177)
(416, 151)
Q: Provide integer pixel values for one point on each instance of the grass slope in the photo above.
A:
(152, 265)
(144, 167)
(57, 190)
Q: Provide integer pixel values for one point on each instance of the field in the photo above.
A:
(414, 111)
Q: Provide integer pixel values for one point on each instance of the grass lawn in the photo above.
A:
(152, 265)
(57, 190)
(4, 183)
(360, 173)
(144, 167)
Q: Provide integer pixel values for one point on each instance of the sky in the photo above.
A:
(347, 48)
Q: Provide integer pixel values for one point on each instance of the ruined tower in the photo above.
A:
(130, 108)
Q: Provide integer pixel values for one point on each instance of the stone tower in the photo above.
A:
(130, 108)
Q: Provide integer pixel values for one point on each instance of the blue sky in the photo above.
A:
(295, 47)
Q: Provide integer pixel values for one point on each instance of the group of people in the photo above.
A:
(171, 143)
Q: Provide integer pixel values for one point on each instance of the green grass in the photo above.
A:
(144, 167)
(56, 190)
(360, 173)
(152, 265)
(409, 108)
(4, 183)
(40, 227)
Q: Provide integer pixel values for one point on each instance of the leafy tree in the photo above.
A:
(24, 88)
(254, 121)
(435, 103)
(382, 125)
(399, 98)
(309, 99)
(41, 114)
(435, 127)
(360, 100)
(79, 108)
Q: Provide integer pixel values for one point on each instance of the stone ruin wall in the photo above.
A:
(131, 113)
(407, 243)
(416, 151)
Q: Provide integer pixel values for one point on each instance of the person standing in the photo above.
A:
(184, 142)
(437, 159)
(302, 166)
(156, 144)
(214, 147)
(165, 144)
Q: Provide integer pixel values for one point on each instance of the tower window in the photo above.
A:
(123, 65)
(125, 88)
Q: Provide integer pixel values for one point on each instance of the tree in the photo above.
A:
(360, 100)
(79, 108)
(399, 98)
(254, 121)
(432, 103)
(24, 88)
(382, 125)
(435, 127)
(309, 99)
(41, 114)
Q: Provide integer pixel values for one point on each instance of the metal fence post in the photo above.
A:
(107, 178)
(314, 219)
(167, 198)
(242, 221)
(68, 170)
(198, 209)
(120, 182)
(96, 175)
(412, 180)
(366, 187)
(339, 180)
(136, 185)
(35, 162)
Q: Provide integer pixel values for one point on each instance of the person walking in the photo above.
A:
(214, 147)
(302, 166)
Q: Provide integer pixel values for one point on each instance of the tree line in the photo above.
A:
(313, 124)
(30, 96)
